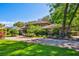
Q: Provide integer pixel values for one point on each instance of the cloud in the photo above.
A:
(7, 23)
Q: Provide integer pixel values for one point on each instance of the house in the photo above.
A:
(39, 22)
(43, 23)
(49, 26)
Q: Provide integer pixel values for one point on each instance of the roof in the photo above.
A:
(39, 22)
(50, 26)
(2, 27)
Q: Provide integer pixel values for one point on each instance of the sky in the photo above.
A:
(14, 12)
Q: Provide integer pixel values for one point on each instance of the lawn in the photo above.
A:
(18, 48)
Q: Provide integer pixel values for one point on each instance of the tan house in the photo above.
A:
(49, 26)
(44, 23)
(39, 22)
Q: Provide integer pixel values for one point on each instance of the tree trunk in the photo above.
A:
(69, 25)
(64, 21)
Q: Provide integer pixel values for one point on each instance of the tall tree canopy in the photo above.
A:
(19, 24)
(58, 13)
(65, 14)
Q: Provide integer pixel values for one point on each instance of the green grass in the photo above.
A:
(15, 48)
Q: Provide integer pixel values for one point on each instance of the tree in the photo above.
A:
(72, 18)
(2, 25)
(12, 32)
(46, 18)
(35, 30)
(55, 11)
(69, 14)
(64, 20)
(19, 24)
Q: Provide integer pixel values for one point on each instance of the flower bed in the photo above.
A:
(2, 34)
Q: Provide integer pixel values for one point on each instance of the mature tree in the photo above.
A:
(19, 24)
(64, 20)
(72, 18)
(35, 30)
(69, 14)
(46, 18)
(56, 13)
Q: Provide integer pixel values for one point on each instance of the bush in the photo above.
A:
(30, 35)
(41, 32)
(35, 30)
(55, 32)
(12, 32)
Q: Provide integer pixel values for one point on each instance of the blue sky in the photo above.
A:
(13, 12)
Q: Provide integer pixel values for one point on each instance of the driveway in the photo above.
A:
(52, 42)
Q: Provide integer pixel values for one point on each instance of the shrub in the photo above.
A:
(19, 24)
(30, 35)
(55, 32)
(35, 30)
(42, 32)
(12, 32)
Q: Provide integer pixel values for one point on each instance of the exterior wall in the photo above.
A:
(75, 33)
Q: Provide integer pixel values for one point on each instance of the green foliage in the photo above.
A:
(8, 32)
(35, 30)
(58, 14)
(2, 25)
(19, 24)
(17, 48)
(46, 18)
(12, 32)
(30, 35)
(55, 32)
(69, 20)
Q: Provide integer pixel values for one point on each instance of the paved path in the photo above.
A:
(51, 42)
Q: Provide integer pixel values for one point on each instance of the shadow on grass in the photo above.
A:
(14, 48)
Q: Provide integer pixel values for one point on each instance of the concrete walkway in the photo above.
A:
(51, 42)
